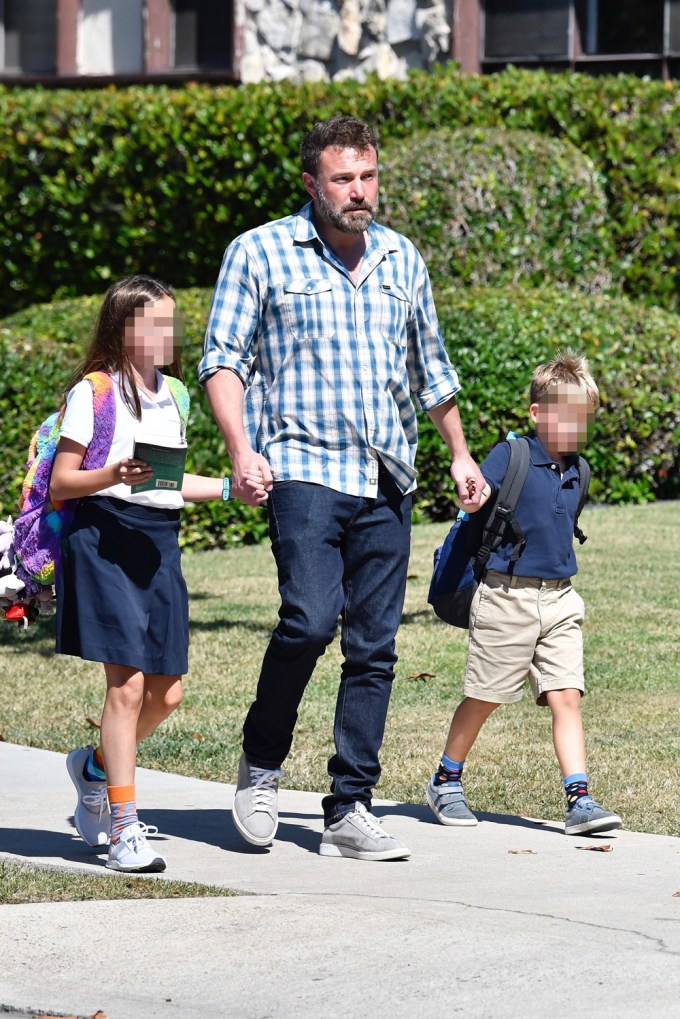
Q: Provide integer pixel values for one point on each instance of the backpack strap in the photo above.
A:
(104, 420)
(584, 484)
(502, 518)
(180, 395)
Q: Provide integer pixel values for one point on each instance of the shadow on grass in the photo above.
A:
(212, 625)
(37, 638)
(418, 617)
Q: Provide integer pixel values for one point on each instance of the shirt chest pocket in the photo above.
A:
(309, 306)
(395, 310)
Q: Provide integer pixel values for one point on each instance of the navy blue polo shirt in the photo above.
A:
(545, 511)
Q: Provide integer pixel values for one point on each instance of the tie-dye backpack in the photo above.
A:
(41, 523)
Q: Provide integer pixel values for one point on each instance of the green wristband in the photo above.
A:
(225, 489)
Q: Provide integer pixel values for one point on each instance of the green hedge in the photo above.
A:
(98, 183)
(495, 337)
(491, 206)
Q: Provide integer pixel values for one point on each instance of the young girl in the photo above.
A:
(121, 596)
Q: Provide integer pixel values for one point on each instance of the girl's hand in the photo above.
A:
(251, 479)
(131, 472)
(254, 479)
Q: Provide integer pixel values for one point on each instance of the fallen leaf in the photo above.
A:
(93, 722)
(95, 1015)
(523, 852)
(597, 849)
(412, 576)
(422, 675)
(197, 736)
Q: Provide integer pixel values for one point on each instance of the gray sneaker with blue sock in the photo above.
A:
(587, 817)
(448, 803)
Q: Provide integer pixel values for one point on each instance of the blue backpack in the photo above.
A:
(460, 562)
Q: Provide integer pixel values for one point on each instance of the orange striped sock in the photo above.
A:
(123, 809)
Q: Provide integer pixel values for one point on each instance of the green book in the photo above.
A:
(167, 463)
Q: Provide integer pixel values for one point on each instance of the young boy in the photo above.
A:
(526, 617)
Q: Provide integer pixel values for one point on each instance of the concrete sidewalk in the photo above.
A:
(471, 925)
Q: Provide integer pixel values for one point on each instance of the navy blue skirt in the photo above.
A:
(121, 596)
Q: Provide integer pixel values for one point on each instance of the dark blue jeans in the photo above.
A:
(337, 556)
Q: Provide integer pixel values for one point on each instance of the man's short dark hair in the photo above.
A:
(337, 132)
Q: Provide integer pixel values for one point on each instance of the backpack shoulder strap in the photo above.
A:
(584, 484)
(515, 476)
(502, 516)
(104, 407)
(180, 395)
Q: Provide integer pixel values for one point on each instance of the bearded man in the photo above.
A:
(322, 336)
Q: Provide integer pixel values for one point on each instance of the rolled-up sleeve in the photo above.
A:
(432, 378)
(235, 312)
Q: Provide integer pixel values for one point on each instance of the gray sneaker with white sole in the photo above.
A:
(587, 817)
(449, 805)
(359, 835)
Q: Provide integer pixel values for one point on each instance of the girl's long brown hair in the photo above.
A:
(107, 350)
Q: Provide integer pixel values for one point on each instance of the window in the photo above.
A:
(526, 29)
(674, 27)
(624, 26)
(109, 37)
(29, 36)
(203, 34)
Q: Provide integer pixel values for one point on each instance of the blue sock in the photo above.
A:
(575, 786)
(448, 771)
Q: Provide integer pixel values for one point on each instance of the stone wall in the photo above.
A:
(324, 40)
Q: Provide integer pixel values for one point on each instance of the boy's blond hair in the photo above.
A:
(566, 367)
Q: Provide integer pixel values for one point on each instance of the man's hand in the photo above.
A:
(469, 483)
(251, 479)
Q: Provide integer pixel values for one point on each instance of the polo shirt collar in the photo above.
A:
(540, 458)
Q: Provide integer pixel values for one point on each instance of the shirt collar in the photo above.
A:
(305, 231)
(540, 458)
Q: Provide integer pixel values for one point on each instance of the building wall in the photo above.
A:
(96, 41)
(323, 40)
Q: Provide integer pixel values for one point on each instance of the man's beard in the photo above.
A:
(339, 218)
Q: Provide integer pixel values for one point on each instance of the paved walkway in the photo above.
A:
(472, 925)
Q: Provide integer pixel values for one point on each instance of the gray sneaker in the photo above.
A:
(360, 836)
(449, 804)
(91, 817)
(255, 810)
(587, 816)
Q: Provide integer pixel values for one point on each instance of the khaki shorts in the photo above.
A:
(519, 627)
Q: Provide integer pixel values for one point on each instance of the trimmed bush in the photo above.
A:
(490, 206)
(98, 183)
(495, 337)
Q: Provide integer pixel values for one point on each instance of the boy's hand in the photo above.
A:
(485, 493)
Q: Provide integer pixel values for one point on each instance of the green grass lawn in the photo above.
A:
(629, 574)
(21, 882)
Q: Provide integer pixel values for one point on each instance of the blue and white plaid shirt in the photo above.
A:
(329, 366)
